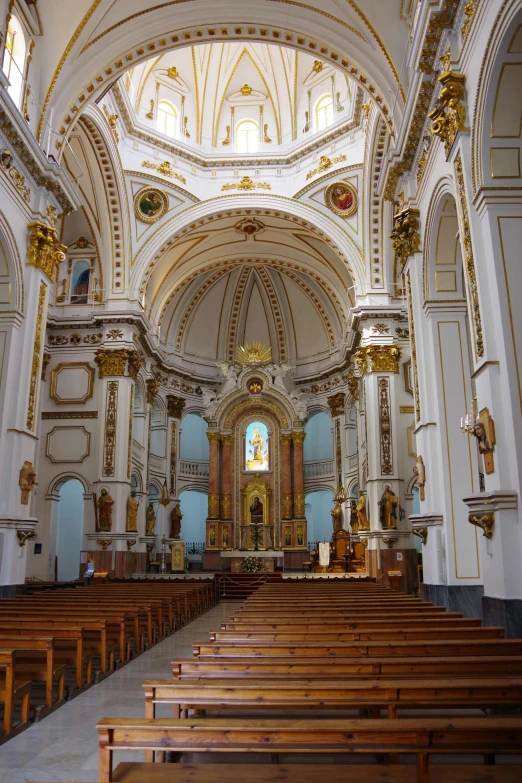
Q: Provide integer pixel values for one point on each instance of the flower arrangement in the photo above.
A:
(252, 565)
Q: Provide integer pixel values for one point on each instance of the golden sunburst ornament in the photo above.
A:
(254, 353)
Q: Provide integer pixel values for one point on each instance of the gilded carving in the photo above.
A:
(247, 184)
(104, 543)
(449, 116)
(353, 388)
(175, 406)
(469, 261)
(421, 532)
(173, 427)
(226, 506)
(45, 251)
(405, 236)
(382, 358)
(37, 351)
(325, 163)
(338, 452)
(298, 437)
(152, 390)
(299, 505)
(286, 439)
(136, 362)
(110, 428)
(287, 505)
(413, 346)
(213, 506)
(486, 523)
(131, 416)
(213, 437)
(26, 481)
(45, 363)
(469, 12)
(166, 169)
(111, 362)
(385, 426)
(336, 404)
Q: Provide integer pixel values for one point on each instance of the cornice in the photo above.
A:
(206, 162)
(44, 171)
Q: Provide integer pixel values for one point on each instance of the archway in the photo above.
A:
(69, 530)
(194, 506)
(319, 505)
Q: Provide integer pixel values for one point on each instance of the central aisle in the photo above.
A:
(64, 746)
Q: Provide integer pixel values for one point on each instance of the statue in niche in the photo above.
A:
(420, 472)
(104, 506)
(256, 511)
(132, 514)
(151, 520)
(337, 518)
(388, 509)
(175, 522)
(362, 518)
(26, 481)
(354, 518)
(230, 372)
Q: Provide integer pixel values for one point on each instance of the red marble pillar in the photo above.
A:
(286, 477)
(226, 476)
(213, 475)
(299, 500)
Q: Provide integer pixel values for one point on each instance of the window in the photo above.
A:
(167, 119)
(14, 59)
(80, 282)
(247, 136)
(323, 112)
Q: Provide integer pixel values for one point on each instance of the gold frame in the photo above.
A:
(53, 395)
(345, 213)
(164, 207)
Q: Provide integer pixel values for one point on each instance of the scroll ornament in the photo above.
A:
(45, 251)
(175, 406)
(449, 116)
(152, 390)
(405, 235)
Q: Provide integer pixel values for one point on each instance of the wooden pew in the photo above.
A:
(419, 736)
(389, 695)
(12, 688)
(351, 667)
(136, 772)
(359, 635)
(390, 648)
(366, 624)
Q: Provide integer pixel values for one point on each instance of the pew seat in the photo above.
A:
(139, 772)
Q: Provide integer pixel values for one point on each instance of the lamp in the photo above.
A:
(340, 495)
(483, 428)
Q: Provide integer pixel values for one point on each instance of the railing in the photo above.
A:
(194, 548)
(319, 469)
(137, 452)
(157, 464)
(352, 461)
(193, 468)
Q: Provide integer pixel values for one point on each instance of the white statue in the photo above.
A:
(230, 372)
(279, 371)
(210, 402)
(299, 399)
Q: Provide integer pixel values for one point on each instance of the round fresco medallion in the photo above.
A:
(150, 204)
(255, 386)
(341, 198)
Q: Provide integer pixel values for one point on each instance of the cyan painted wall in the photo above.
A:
(70, 527)
(318, 509)
(194, 441)
(194, 507)
(318, 443)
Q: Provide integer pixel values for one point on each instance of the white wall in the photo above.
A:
(70, 528)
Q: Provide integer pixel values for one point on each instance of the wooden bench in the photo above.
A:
(351, 667)
(366, 624)
(389, 695)
(419, 736)
(138, 772)
(359, 635)
(401, 648)
(12, 688)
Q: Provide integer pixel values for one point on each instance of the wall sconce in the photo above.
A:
(482, 426)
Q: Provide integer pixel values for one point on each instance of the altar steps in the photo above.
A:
(237, 587)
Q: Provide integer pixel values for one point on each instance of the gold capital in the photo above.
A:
(45, 250)
(111, 362)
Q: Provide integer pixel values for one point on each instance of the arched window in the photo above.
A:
(80, 282)
(14, 59)
(247, 136)
(323, 112)
(167, 119)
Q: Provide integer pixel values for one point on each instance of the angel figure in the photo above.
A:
(229, 371)
(278, 371)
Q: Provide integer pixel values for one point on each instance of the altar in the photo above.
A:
(255, 430)
(272, 560)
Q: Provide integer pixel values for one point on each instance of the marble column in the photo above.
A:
(214, 439)
(227, 469)
(286, 476)
(299, 500)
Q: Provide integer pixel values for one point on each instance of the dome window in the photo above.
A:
(167, 119)
(247, 136)
(14, 59)
(323, 112)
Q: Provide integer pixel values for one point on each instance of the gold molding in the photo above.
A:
(165, 169)
(129, 444)
(325, 163)
(37, 355)
(69, 415)
(110, 428)
(246, 184)
(55, 372)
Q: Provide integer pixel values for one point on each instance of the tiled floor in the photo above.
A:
(63, 746)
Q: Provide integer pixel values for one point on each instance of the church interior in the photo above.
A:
(260, 391)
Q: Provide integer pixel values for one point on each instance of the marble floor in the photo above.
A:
(64, 746)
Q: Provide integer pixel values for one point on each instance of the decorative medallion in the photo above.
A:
(254, 353)
(150, 204)
(255, 386)
(341, 198)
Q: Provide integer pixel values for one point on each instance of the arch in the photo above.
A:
(58, 481)
(323, 112)
(341, 43)
(247, 136)
(167, 119)
(193, 443)
(10, 256)
(69, 531)
(319, 520)
(306, 215)
(14, 59)
(443, 272)
(80, 277)
(194, 507)
(318, 444)
(497, 114)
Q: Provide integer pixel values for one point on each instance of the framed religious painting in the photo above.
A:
(256, 448)
(150, 204)
(341, 198)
